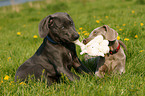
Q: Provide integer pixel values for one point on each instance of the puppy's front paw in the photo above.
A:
(99, 74)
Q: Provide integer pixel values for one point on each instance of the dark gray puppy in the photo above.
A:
(57, 53)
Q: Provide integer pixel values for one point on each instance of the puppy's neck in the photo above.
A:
(54, 38)
(114, 46)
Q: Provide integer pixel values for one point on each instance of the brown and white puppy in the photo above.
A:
(115, 60)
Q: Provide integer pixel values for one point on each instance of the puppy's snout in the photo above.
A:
(76, 36)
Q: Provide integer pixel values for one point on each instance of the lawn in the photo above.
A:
(19, 39)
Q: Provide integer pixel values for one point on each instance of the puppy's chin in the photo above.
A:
(68, 40)
(65, 40)
(71, 40)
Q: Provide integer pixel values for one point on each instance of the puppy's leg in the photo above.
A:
(79, 67)
(101, 72)
(37, 70)
(68, 73)
(25, 70)
(120, 67)
(51, 80)
(42, 74)
(22, 72)
(100, 63)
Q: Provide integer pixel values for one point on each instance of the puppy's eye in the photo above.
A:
(70, 22)
(95, 32)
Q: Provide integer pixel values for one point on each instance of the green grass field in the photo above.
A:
(19, 25)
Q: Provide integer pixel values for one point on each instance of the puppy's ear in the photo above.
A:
(44, 26)
(111, 34)
(69, 17)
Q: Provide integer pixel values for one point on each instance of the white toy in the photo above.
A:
(96, 47)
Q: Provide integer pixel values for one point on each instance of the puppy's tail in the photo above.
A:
(123, 45)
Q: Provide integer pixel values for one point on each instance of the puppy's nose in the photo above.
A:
(85, 41)
(76, 36)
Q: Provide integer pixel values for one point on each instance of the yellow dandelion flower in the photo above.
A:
(126, 39)
(22, 83)
(84, 31)
(79, 33)
(117, 26)
(94, 16)
(80, 28)
(18, 33)
(106, 17)
(124, 24)
(141, 50)
(132, 11)
(9, 58)
(6, 77)
(118, 37)
(87, 34)
(141, 24)
(2, 81)
(120, 29)
(35, 36)
(136, 36)
(97, 21)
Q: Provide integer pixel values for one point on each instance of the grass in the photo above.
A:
(125, 16)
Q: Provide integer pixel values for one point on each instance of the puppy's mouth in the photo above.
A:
(71, 38)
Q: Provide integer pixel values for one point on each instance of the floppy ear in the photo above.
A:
(44, 26)
(111, 34)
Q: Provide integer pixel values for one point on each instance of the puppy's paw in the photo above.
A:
(99, 74)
